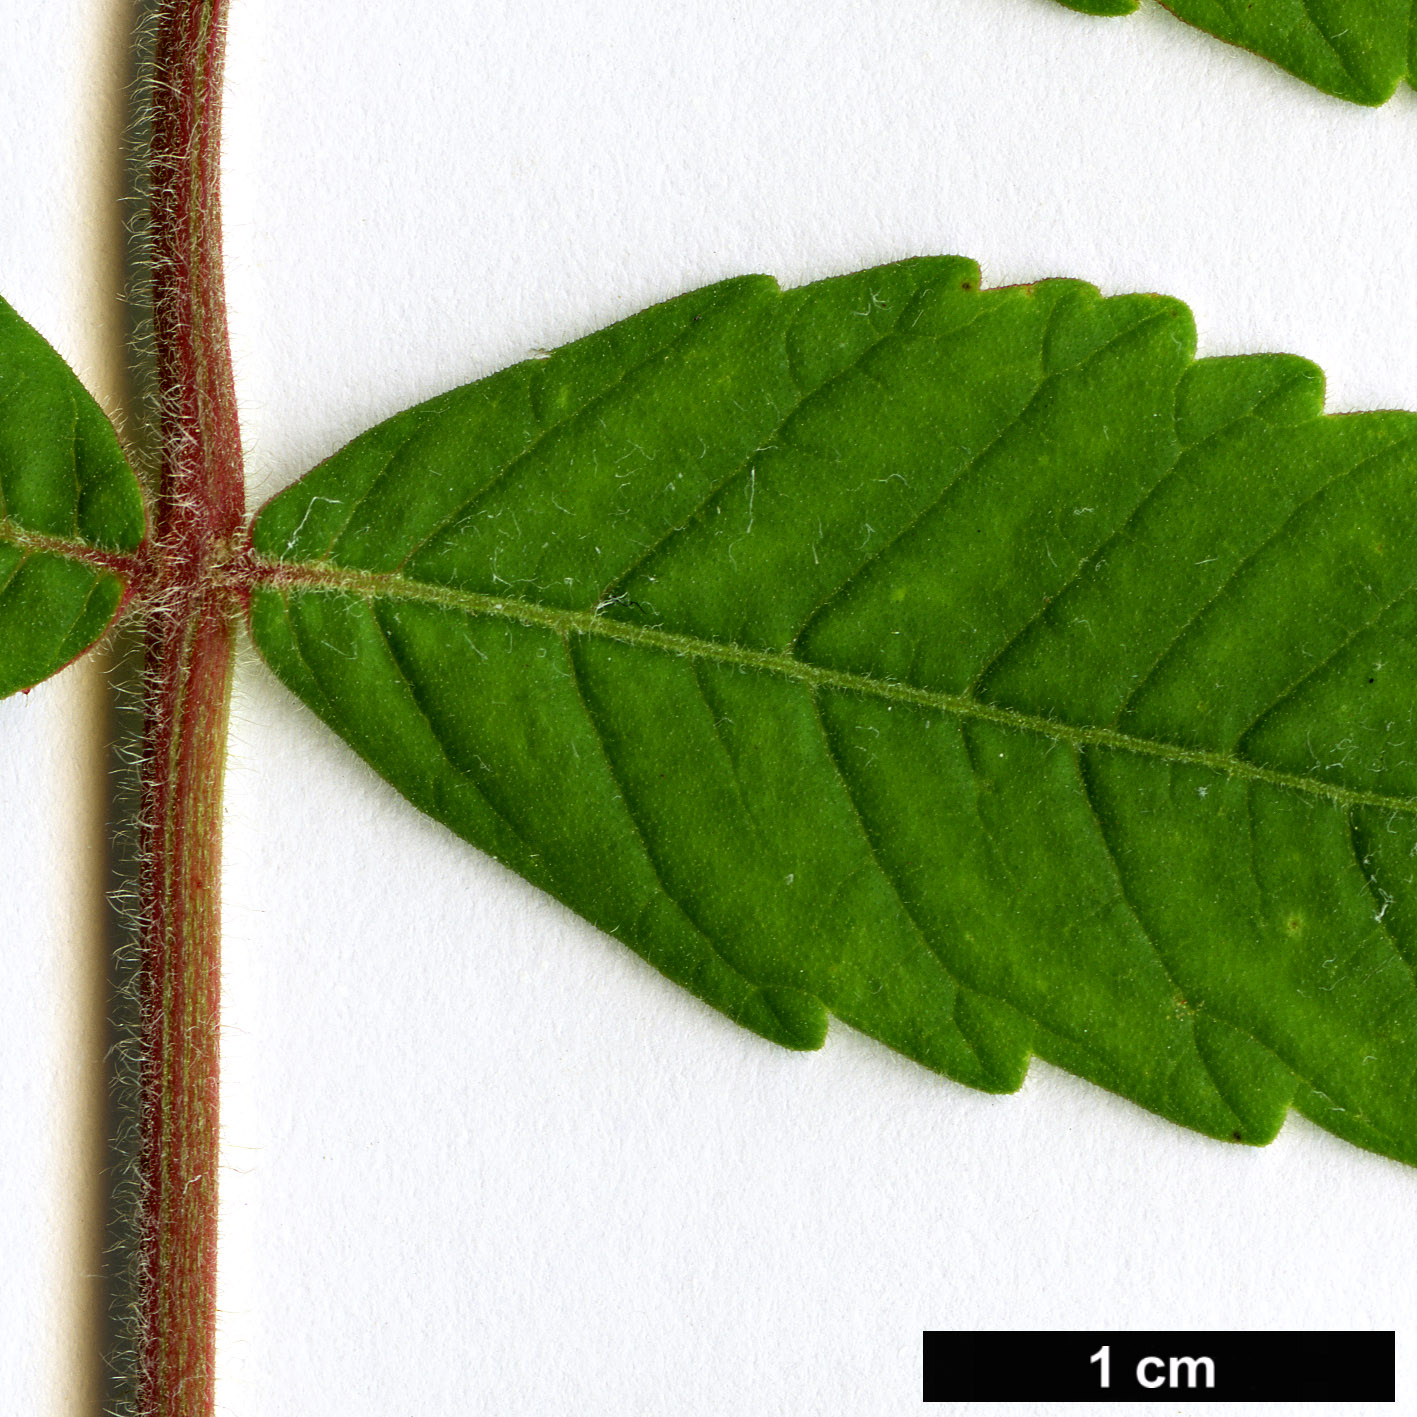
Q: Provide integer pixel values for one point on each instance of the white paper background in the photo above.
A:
(479, 1157)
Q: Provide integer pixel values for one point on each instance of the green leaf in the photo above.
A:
(71, 512)
(977, 667)
(1355, 49)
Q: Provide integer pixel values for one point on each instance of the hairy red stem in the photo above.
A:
(188, 660)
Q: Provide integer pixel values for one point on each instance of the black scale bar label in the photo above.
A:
(1160, 1367)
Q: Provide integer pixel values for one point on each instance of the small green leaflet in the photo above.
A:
(70, 507)
(977, 667)
(1356, 49)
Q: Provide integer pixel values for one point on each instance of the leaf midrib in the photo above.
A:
(97, 558)
(370, 585)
